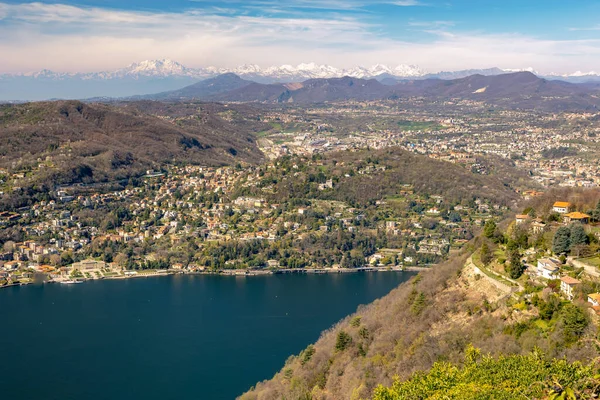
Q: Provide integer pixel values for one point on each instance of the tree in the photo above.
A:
(486, 254)
(418, 304)
(55, 260)
(561, 242)
(515, 268)
(596, 212)
(454, 217)
(9, 246)
(547, 309)
(121, 260)
(530, 376)
(573, 321)
(520, 237)
(489, 229)
(343, 341)
(578, 235)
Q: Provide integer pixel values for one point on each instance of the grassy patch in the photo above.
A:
(418, 125)
(594, 261)
(476, 258)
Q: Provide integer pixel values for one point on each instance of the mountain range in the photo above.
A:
(154, 76)
(516, 90)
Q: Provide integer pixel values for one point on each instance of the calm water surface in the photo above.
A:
(178, 337)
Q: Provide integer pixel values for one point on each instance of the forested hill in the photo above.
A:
(67, 142)
(366, 176)
(436, 317)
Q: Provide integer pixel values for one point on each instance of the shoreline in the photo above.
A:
(304, 271)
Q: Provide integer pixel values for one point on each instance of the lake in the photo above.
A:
(175, 337)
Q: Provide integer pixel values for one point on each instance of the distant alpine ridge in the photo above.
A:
(154, 76)
(169, 68)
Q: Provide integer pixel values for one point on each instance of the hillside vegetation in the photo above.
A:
(432, 319)
(98, 133)
(67, 142)
(506, 377)
(368, 175)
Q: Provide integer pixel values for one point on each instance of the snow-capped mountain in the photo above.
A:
(154, 68)
(169, 68)
(153, 76)
(576, 77)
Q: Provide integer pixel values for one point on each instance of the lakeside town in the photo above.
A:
(231, 220)
(138, 226)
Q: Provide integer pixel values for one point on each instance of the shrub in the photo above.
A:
(507, 377)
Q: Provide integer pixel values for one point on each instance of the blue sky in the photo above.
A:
(94, 35)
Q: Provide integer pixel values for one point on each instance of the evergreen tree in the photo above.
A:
(515, 268)
(486, 254)
(578, 235)
(489, 229)
(561, 242)
(596, 212)
(573, 321)
(343, 341)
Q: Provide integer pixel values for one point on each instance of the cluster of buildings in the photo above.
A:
(522, 137)
(182, 203)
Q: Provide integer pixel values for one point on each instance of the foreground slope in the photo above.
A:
(433, 318)
(506, 377)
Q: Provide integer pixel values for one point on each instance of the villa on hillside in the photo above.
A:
(594, 299)
(567, 284)
(548, 268)
(538, 226)
(576, 217)
(562, 207)
(520, 218)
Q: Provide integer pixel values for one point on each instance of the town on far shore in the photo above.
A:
(301, 210)
(196, 219)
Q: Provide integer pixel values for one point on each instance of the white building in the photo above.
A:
(548, 268)
(561, 207)
(594, 299)
(567, 286)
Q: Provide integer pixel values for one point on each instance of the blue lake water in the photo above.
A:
(176, 337)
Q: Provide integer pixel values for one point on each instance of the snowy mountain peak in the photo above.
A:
(247, 69)
(408, 71)
(580, 74)
(163, 67)
(529, 69)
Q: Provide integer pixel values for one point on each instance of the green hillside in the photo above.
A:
(506, 377)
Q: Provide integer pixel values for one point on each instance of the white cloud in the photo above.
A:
(431, 24)
(76, 39)
(407, 3)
